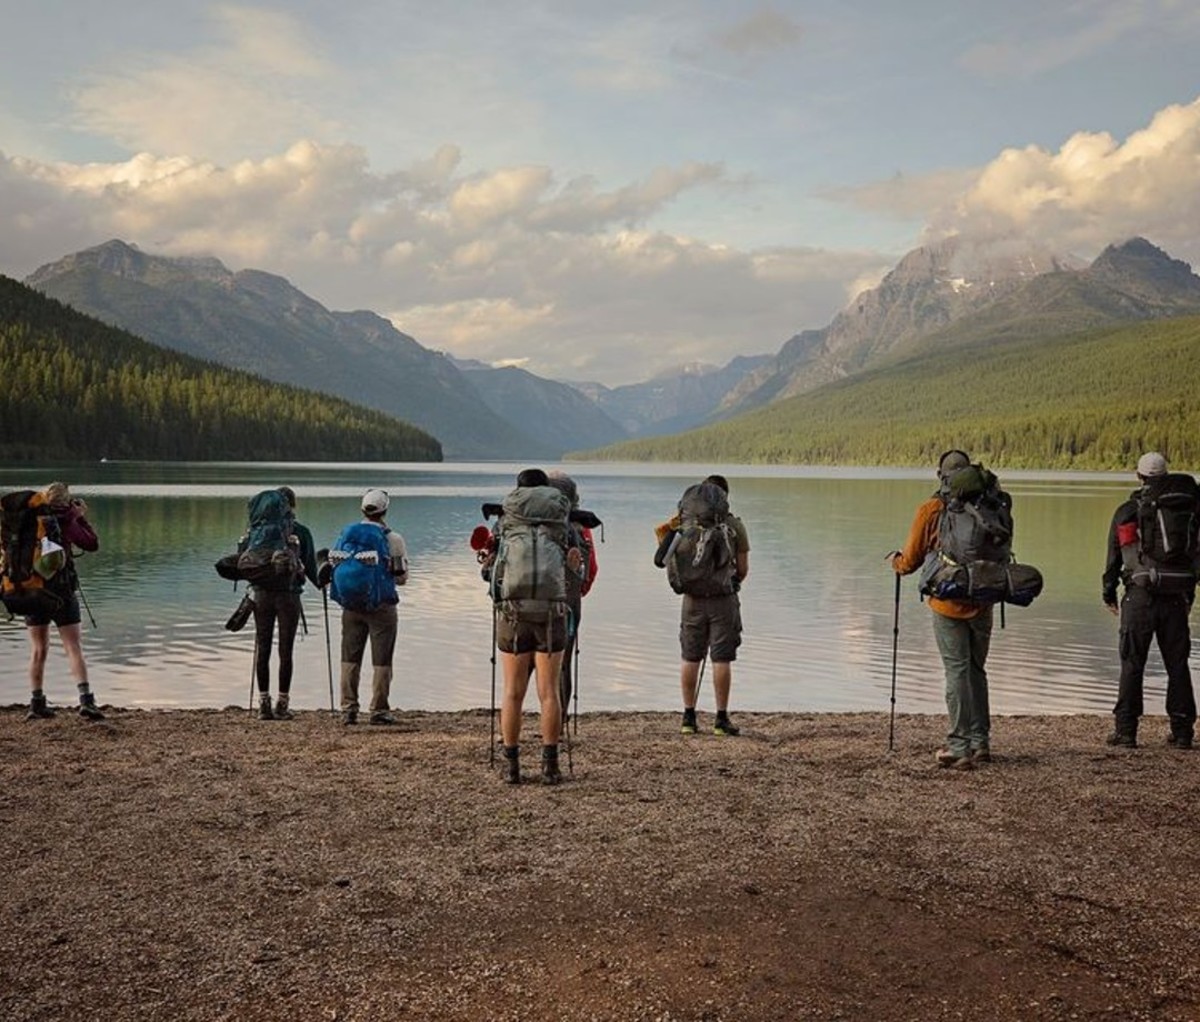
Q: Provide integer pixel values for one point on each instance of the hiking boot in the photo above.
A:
(688, 727)
(951, 761)
(88, 709)
(981, 755)
(264, 708)
(349, 717)
(281, 709)
(512, 764)
(724, 726)
(1180, 739)
(1122, 739)
(382, 717)
(550, 771)
(38, 710)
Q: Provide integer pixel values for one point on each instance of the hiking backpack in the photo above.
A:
(1159, 547)
(33, 560)
(530, 574)
(362, 574)
(269, 555)
(973, 560)
(700, 560)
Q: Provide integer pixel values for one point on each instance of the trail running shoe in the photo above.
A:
(724, 726)
(688, 727)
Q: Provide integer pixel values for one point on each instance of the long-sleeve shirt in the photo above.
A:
(922, 538)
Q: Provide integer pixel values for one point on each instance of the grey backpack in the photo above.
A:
(700, 560)
(530, 575)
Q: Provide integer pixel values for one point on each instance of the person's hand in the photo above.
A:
(324, 574)
(1113, 609)
(574, 559)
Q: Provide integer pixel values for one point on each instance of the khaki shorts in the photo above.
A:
(547, 635)
(710, 626)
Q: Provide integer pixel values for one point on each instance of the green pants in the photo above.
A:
(963, 644)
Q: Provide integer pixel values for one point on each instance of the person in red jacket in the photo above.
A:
(77, 532)
(963, 632)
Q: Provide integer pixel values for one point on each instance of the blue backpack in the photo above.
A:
(362, 576)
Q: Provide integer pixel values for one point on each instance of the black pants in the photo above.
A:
(1144, 617)
(270, 606)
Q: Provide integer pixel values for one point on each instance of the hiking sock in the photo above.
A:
(84, 690)
(512, 764)
(550, 771)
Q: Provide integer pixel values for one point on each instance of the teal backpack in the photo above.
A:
(269, 555)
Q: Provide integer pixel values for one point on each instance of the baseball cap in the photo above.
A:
(1151, 464)
(375, 502)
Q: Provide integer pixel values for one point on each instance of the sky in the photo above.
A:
(596, 192)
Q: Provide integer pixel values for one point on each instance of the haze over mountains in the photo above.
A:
(938, 297)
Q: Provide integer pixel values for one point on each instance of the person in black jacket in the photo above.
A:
(1152, 608)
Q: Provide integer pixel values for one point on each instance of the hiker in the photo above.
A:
(74, 530)
(579, 584)
(527, 571)
(276, 599)
(366, 563)
(706, 551)
(1153, 551)
(962, 630)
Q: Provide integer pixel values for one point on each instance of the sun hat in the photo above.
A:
(375, 502)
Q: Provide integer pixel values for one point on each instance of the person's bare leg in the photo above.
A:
(722, 675)
(39, 645)
(689, 679)
(516, 681)
(549, 666)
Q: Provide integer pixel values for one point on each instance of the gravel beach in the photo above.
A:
(203, 865)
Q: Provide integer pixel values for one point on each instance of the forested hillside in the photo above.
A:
(75, 388)
(1094, 400)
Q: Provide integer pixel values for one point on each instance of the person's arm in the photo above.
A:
(398, 558)
(76, 529)
(308, 554)
(1113, 562)
(592, 565)
(922, 537)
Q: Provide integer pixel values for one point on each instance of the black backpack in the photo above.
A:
(1160, 552)
(973, 561)
(700, 560)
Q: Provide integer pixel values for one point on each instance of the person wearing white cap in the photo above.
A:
(1153, 551)
(963, 632)
(377, 621)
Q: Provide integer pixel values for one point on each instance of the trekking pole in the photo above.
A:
(87, 607)
(253, 672)
(492, 715)
(564, 732)
(895, 654)
(328, 648)
(575, 680)
(699, 680)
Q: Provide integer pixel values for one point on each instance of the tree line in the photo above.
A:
(1094, 400)
(76, 388)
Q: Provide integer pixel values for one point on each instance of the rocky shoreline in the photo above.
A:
(202, 865)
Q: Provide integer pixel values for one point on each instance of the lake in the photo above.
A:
(818, 606)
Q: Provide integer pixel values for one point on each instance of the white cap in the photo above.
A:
(1151, 464)
(375, 502)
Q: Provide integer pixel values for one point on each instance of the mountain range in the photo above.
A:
(944, 296)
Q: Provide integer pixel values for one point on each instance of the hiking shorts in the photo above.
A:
(546, 636)
(68, 614)
(710, 626)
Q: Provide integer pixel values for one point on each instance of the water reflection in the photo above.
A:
(818, 607)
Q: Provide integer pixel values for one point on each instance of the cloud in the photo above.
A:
(764, 32)
(504, 264)
(1094, 190)
(245, 93)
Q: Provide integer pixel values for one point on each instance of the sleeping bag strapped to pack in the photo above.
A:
(973, 561)
(362, 574)
(33, 579)
(269, 555)
(529, 578)
(1159, 547)
(700, 558)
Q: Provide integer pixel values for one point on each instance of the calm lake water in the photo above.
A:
(818, 606)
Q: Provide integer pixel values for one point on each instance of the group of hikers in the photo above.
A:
(538, 558)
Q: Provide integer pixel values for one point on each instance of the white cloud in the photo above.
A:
(506, 264)
(244, 94)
